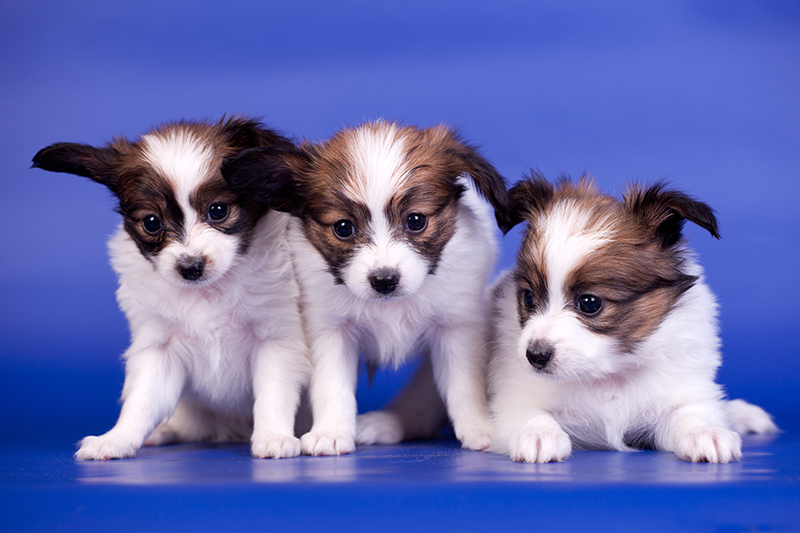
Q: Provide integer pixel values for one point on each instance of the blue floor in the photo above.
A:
(432, 485)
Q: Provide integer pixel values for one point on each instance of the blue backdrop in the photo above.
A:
(705, 95)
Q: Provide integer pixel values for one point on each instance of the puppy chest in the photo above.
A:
(218, 367)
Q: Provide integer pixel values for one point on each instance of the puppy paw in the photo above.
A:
(709, 444)
(378, 427)
(476, 436)
(316, 443)
(104, 447)
(540, 446)
(748, 418)
(275, 446)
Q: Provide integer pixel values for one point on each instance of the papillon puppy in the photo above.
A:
(605, 333)
(206, 281)
(393, 244)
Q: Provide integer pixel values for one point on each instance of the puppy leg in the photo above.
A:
(334, 358)
(189, 423)
(459, 364)
(417, 412)
(696, 433)
(748, 418)
(281, 369)
(153, 384)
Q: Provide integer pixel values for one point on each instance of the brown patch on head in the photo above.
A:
(417, 170)
(144, 193)
(534, 200)
(637, 269)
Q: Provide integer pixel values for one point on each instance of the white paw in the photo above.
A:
(378, 427)
(316, 443)
(709, 444)
(748, 418)
(275, 446)
(108, 446)
(475, 436)
(540, 446)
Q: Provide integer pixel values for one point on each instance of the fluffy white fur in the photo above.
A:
(201, 356)
(596, 395)
(222, 358)
(443, 316)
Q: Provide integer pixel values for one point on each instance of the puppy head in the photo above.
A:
(595, 275)
(379, 202)
(175, 204)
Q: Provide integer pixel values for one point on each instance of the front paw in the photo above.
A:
(378, 427)
(318, 443)
(709, 444)
(275, 446)
(540, 446)
(475, 436)
(104, 447)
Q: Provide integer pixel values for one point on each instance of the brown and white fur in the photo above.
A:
(605, 332)
(393, 246)
(206, 282)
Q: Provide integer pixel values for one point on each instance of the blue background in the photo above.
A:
(704, 94)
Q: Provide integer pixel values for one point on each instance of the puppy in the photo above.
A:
(206, 282)
(393, 247)
(605, 334)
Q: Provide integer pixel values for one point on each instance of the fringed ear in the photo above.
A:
(489, 183)
(528, 197)
(665, 211)
(242, 133)
(269, 176)
(82, 160)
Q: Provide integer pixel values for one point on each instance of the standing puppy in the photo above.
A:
(605, 333)
(206, 282)
(393, 247)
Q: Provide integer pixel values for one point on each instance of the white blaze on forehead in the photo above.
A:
(569, 234)
(181, 157)
(379, 166)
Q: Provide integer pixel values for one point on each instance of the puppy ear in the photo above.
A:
(528, 197)
(82, 160)
(268, 175)
(665, 211)
(489, 183)
(242, 133)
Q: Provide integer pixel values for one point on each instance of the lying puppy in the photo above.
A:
(393, 247)
(605, 333)
(206, 282)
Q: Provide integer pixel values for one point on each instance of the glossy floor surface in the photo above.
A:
(430, 485)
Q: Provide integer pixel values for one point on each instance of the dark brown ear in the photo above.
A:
(528, 197)
(665, 211)
(489, 183)
(269, 176)
(242, 133)
(82, 160)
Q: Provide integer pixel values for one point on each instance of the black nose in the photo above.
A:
(384, 282)
(192, 269)
(539, 355)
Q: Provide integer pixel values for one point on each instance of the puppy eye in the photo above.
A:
(344, 229)
(527, 299)
(416, 222)
(218, 211)
(589, 304)
(151, 224)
